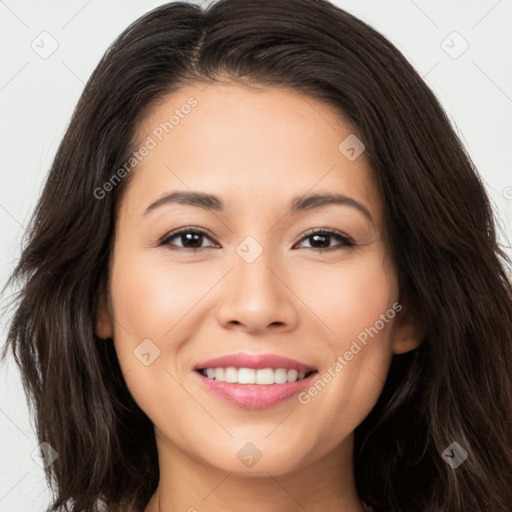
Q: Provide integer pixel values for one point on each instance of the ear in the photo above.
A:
(407, 334)
(103, 318)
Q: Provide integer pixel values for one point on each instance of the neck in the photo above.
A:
(188, 485)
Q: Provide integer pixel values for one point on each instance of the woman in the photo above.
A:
(264, 275)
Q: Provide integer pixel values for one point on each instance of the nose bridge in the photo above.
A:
(252, 264)
(256, 295)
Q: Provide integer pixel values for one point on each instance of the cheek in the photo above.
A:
(150, 306)
(161, 301)
(153, 298)
(350, 299)
(358, 306)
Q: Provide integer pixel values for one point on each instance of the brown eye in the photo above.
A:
(190, 238)
(321, 239)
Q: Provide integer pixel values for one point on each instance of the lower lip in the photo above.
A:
(255, 396)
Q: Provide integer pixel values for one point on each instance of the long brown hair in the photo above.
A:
(456, 387)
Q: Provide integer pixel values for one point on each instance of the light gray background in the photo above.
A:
(37, 96)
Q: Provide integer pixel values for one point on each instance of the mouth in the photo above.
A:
(254, 382)
(262, 377)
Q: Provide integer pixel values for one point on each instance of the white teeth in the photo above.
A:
(280, 376)
(264, 376)
(246, 376)
(231, 375)
(292, 375)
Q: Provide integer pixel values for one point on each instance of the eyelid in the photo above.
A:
(185, 229)
(347, 241)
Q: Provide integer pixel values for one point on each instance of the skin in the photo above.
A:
(256, 148)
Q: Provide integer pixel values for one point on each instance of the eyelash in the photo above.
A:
(346, 241)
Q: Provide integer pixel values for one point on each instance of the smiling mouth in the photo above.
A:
(263, 376)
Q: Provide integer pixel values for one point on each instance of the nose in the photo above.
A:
(258, 297)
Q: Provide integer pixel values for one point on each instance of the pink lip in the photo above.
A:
(254, 396)
(257, 362)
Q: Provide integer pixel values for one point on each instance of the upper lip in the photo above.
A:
(257, 362)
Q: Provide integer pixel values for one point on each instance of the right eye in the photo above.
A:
(191, 239)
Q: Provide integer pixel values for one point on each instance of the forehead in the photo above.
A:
(254, 145)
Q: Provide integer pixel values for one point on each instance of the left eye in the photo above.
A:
(192, 239)
(322, 238)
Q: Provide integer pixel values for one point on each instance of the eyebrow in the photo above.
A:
(298, 204)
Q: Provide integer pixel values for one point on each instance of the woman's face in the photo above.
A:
(246, 280)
